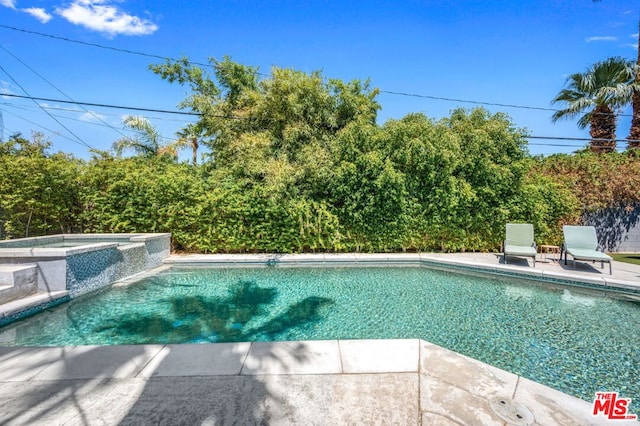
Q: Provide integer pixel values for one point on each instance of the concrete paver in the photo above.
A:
(465, 373)
(443, 388)
(305, 357)
(21, 364)
(379, 356)
(551, 406)
(89, 362)
(222, 359)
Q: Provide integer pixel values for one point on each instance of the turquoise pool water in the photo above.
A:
(575, 341)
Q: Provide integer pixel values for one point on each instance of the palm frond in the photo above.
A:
(606, 83)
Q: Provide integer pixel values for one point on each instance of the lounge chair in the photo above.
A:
(581, 243)
(519, 241)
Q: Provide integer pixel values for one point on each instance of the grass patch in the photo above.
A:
(627, 258)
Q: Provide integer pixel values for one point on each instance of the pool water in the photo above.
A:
(576, 341)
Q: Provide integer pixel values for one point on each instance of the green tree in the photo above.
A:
(601, 91)
(38, 190)
(147, 142)
(634, 133)
(290, 109)
(188, 137)
(489, 174)
(220, 99)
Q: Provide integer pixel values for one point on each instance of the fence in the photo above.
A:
(618, 228)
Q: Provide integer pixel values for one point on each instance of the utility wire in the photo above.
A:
(53, 108)
(27, 108)
(131, 52)
(44, 128)
(61, 92)
(164, 111)
(466, 101)
(388, 92)
(89, 122)
(240, 118)
(79, 139)
(582, 139)
(413, 95)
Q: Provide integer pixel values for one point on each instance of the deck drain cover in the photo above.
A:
(511, 411)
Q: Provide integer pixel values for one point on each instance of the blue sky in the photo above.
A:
(505, 52)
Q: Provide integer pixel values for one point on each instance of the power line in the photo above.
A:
(88, 122)
(581, 139)
(389, 92)
(44, 128)
(130, 108)
(27, 107)
(163, 111)
(466, 101)
(116, 49)
(60, 91)
(239, 118)
(79, 139)
(413, 95)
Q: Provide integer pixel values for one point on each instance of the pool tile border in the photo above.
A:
(31, 305)
(406, 259)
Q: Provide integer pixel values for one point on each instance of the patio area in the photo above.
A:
(404, 382)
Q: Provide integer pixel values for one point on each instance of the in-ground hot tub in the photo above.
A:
(80, 263)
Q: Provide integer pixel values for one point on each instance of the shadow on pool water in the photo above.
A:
(232, 318)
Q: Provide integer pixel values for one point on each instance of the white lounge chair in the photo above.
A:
(519, 241)
(581, 242)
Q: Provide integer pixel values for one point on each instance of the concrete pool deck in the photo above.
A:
(401, 382)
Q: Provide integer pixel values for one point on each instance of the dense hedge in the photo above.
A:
(412, 184)
(296, 162)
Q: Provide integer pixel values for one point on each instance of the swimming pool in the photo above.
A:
(576, 341)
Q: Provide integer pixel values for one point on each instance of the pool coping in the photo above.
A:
(450, 388)
(31, 305)
(406, 259)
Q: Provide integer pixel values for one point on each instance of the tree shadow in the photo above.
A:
(615, 225)
(242, 315)
(584, 266)
(135, 385)
(55, 385)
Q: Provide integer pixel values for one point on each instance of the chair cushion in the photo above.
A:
(519, 250)
(580, 237)
(585, 254)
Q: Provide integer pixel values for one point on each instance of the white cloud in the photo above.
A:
(11, 4)
(5, 89)
(600, 38)
(59, 107)
(101, 16)
(92, 117)
(39, 13)
(634, 35)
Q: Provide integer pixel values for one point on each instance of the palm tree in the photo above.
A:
(189, 137)
(634, 134)
(602, 91)
(147, 142)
